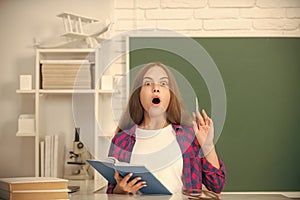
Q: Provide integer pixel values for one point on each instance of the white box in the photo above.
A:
(26, 123)
(107, 82)
(25, 82)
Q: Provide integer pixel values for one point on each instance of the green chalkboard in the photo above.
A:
(260, 140)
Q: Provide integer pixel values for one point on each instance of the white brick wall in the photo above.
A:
(280, 24)
(148, 4)
(183, 3)
(232, 3)
(210, 17)
(293, 13)
(224, 24)
(262, 13)
(170, 14)
(207, 18)
(216, 13)
(278, 3)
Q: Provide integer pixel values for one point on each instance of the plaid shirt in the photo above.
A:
(196, 169)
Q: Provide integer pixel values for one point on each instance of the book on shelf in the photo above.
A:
(54, 68)
(66, 76)
(55, 155)
(52, 156)
(106, 167)
(47, 158)
(42, 158)
(23, 188)
(67, 81)
(74, 61)
(66, 87)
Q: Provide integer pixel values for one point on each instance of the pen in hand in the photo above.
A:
(197, 110)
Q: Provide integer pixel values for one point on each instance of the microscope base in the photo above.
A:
(82, 174)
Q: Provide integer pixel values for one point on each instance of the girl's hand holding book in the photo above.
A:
(127, 186)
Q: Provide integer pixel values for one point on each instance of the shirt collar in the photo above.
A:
(131, 131)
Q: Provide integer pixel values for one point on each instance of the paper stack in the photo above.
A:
(66, 74)
(33, 188)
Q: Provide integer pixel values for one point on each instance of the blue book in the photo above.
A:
(107, 169)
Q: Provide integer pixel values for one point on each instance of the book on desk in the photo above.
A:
(107, 167)
(31, 188)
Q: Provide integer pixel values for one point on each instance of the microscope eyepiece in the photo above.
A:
(77, 134)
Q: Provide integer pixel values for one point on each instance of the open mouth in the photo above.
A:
(156, 100)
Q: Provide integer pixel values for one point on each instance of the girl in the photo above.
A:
(155, 128)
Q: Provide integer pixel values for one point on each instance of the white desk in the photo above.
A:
(102, 196)
(87, 188)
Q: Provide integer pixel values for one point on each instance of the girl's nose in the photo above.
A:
(155, 88)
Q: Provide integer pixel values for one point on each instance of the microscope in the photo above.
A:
(78, 158)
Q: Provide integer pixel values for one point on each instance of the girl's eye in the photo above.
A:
(147, 83)
(164, 83)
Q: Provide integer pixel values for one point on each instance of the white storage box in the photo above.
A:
(107, 82)
(25, 82)
(26, 123)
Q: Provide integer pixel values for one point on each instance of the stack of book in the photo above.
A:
(33, 188)
(66, 74)
(51, 156)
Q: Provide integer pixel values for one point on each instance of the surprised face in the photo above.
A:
(155, 93)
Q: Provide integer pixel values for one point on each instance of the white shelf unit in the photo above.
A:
(64, 56)
(102, 123)
(94, 93)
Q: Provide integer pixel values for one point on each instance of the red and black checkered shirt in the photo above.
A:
(196, 169)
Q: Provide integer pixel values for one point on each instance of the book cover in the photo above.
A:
(66, 62)
(42, 158)
(34, 194)
(55, 156)
(32, 183)
(107, 168)
(47, 155)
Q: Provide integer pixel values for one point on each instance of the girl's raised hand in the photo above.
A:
(204, 130)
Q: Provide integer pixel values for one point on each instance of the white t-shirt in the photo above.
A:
(159, 151)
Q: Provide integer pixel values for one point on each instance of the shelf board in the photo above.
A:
(62, 91)
(21, 134)
(91, 50)
(66, 91)
(106, 91)
(25, 91)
